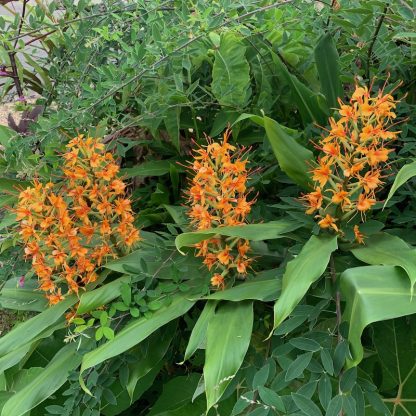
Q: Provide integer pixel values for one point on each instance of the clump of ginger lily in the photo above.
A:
(349, 170)
(70, 228)
(218, 197)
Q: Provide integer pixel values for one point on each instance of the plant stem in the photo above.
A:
(338, 311)
(373, 41)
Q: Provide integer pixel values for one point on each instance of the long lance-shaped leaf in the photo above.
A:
(31, 328)
(264, 289)
(93, 299)
(25, 298)
(294, 159)
(327, 63)
(45, 384)
(254, 232)
(387, 249)
(199, 332)
(373, 293)
(311, 106)
(228, 338)
(133, 333)
(405, 173)
(301, 272)
(17, 354)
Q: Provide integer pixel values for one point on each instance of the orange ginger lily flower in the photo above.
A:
(328, 222)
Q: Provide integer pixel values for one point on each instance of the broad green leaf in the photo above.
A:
(264, 289)
(93, 299)
(31, 328)
(45, 384)
(172, 123)
(199, 332)
(389, 250)
(23, 349)
(394, 343)
(228, 338)
(25, 298)
(231, 72)
(150, 168)
(134, 332)
(294, 159)
(149, 353)
(327, 63)
(254, 232)
(176, 398)
(311, 106)
(405, 173)
(373, 293)
(301, 272)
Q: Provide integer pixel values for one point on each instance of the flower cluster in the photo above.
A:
(70, 228)
(218, 198)
(348, 172)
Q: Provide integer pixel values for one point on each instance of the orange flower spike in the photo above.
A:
(375, 156)
(328, 222)
(340, 196)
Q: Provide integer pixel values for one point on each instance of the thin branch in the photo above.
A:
(179, 48)
(373, 41)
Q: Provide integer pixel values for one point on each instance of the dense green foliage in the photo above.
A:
(151, 336)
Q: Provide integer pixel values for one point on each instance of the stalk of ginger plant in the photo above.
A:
(70, 228)
(354, 152)
(218, 197)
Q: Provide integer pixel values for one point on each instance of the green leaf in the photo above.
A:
(306, 405)
(301, 272)
(134, 332)
(199, 332)
(327, 63)
(45, 384)
(334, 407)
(297, 367)
(93, 299)
(12, 186)
(150, 168)
(405, 173)
(25, 298)
(8, 220)
(231, 72)
(226, 349)
(31, 328)
(294, 159)
(271, 398)
(325, 390)
(305, 344)
(6, 133)
(149, 353)
(327, 362)
(254, 232)
(389, 250)
(176, 398)
(373, 293)
(258, 288)
(311, 107)
(394, 343)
